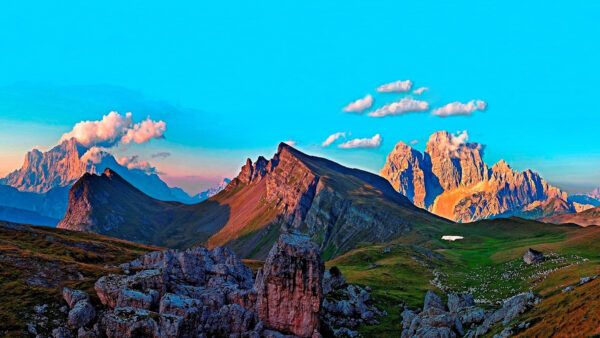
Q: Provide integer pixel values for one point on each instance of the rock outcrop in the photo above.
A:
(451, 180)
(289, 286)
(532, 256)
(461, 317)
(211, 293)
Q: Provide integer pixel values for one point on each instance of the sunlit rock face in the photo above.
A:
(451, 180)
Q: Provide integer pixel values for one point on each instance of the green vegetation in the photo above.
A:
(487, 263)
(36, 262)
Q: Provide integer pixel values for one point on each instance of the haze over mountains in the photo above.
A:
(338, 206)
(38, 191)
(451, 180)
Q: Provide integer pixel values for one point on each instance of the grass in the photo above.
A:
(36, 262)
(487, 263)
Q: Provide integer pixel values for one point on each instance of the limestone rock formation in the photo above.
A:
(461, 317)
(532, 256)
(211, 293)
(289, 286)
(451, 180)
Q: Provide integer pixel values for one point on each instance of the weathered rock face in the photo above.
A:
(289, 286)
(461, 317)
(451, 180)
(337, 206)
(211, 293)
(533, 256)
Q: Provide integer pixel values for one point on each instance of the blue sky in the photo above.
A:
(233, 79)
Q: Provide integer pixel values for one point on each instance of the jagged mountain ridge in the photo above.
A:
(64, 164)
(41, 185)
(451, 180)
(338, 206)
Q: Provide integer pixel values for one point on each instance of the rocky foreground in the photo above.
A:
(211, 293)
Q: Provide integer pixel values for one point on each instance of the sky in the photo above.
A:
(230, 80)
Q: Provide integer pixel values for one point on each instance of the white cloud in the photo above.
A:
(359, 105)
(94, 155)
(114, 128)
(291, 143)
(457, 108)
(332, 138)
(420, 91)
(367, 143)
(133, 162)
(413, 142)
(144, 131)
(398, 86)
(406, 105)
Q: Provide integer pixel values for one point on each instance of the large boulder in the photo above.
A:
(532, 256)
(74, 296)
(289, 286)
(333, 280)
(456, 302)
(81, 314)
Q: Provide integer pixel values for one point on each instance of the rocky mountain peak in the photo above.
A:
(452, 180)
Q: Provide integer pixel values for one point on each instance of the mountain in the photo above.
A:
(338, 207)
(107, 204)
(41, 184)
(583, 218)
(451, 180)
(51, 204)
(591, 198)
(206, 194)
(25, 217)
(541, 209)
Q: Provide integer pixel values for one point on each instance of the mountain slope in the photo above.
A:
(583, 218)
(107, 204)
(36, 262)
(451, 180)
(338, 206)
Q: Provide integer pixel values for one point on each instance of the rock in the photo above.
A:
(289, 286)
(61, 332)
(41, 309)
(458, 301)
(142, 300)
(72, 297)
(407, 317)
(584, 280)
(433, 302)
(567, 289)
(532, 256)
(83, 333)
(81, 314)
(510, 310)
(333, 279)
(31, 328)
(451, 180)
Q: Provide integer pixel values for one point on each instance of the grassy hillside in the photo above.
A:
(35, 262)
(487, 263)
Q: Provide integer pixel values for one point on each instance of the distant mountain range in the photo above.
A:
(451, 180)
(584, 218)
(338, 206)
(41, 185)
